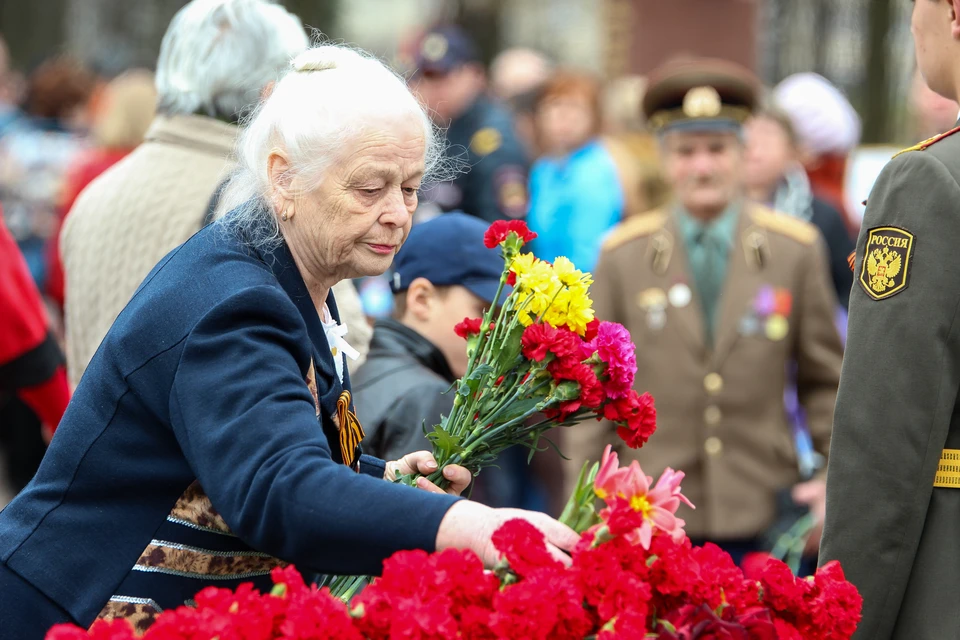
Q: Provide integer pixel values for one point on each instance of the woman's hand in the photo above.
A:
(471, 525)
(423, 462)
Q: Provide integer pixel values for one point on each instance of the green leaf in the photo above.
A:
(510, 349)
(515, 410)
(444, 442)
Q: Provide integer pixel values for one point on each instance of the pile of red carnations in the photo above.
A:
(633, 575)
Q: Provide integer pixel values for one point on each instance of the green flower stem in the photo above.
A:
(358, 583)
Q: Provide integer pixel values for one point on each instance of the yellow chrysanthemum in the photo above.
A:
(558, 293)
(523, 264)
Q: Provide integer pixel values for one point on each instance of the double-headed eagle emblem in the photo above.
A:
(886, 263)
(883, 266)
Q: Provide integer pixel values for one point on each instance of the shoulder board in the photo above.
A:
(929, 142)
(632, 228)
(799, 230)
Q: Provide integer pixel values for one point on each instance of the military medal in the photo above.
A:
(656, 318)
(749, 325)
(654, 302)
(680, 295)
(765, 302)
(777, 327)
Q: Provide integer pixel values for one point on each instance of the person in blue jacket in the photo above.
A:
(577, 194)
(213, 436)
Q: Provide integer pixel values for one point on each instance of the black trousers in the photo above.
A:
(25, 613)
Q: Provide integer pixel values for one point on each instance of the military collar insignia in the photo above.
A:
(885, 270)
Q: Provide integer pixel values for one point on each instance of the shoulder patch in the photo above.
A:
(929, 142)
(885, 271)
(799, 230)
(635, 227)
(485, 141)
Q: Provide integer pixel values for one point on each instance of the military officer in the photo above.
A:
(720, 297)
(451, 82)
(893, 496)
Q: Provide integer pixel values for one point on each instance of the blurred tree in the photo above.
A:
(480, 19)
(33, 30)
(316, 14)
(877, 95)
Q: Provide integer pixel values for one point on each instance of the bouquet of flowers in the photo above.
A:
(634, 574)
(539, 353)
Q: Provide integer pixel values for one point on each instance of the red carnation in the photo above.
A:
(593, 328)
(636, 417)
(548, 605)
(540, 340)
(781, 589)
(753, 564)
(469, 327)
(627, 593)
(524, 546)
(500, 231)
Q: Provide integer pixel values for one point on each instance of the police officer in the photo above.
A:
(719, 295)
(893, 499)
(451, 82)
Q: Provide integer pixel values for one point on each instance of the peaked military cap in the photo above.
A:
(700, 94)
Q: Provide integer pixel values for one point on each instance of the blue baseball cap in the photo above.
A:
(443, 49)
(449, 251)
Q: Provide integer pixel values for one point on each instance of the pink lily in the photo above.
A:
(634, 508)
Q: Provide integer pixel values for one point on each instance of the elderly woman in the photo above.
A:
(212, 437)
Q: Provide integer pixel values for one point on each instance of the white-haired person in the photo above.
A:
(217, 59)
(212, 437)
(828, 130)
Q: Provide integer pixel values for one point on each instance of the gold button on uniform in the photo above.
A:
(713, 383)
(713, 446)
(712, 415)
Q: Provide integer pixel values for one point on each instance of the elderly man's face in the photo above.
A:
(354, 223)
(705, 169)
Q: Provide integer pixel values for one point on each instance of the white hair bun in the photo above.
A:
(323, 58)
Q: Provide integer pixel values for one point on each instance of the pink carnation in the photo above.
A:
(614, 346)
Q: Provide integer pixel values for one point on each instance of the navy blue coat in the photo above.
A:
(201, 379)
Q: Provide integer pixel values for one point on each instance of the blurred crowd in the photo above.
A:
(101, 176)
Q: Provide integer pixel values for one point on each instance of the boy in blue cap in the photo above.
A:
(442, 274)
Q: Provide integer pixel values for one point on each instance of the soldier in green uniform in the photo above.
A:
(720, 296)
(893, 488)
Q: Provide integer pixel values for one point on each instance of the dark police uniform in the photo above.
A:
(492, 183)
(893, 482)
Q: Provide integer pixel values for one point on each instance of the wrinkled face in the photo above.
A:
(768, 153)
(934, 44)
(705, 169)
(565, 123)
(355, 221)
